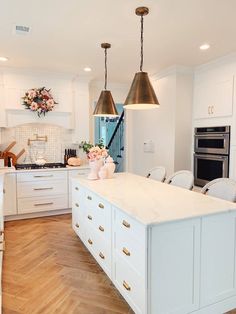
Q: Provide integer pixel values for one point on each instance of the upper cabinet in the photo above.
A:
(213, 98)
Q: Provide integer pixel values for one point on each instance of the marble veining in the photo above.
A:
(152, 202)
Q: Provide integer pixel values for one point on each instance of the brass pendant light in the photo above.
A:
(105, 106)
(141, 94)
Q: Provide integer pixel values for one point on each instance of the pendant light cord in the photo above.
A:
(141, 40)
(105, 85)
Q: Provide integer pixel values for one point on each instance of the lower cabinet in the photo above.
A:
(44, 191)
(9, 194)
(177, 267)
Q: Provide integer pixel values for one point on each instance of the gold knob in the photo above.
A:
(101, 255)
(90, 241)
(90, 217)
(101, 228)
(77, 225)
(76, 204)
(127, 287)
(100, 205)
(89, 198)
(125, 251)
(126, 224)
(77, 189)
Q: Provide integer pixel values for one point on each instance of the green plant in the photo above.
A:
(86, 146)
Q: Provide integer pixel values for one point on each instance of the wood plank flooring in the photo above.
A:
(48, 270)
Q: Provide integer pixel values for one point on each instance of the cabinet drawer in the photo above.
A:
(132, 252)
(73, 174)
(78, 224)
(32, 189)
(41, 176)
(127, 227)
(36, 204)
(102, 251)
(130, 284)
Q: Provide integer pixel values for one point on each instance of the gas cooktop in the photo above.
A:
(34, 166)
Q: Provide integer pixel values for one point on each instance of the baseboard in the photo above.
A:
(39, 214)
(221, 307)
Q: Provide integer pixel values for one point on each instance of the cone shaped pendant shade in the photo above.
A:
(141, 94)
(105, 106)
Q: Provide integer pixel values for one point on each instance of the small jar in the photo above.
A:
(110, 167)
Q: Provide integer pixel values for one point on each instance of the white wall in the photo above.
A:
(168, 127)
(71, 93)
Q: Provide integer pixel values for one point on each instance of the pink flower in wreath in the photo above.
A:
(31, 93)
(50, 103)
(34, 106)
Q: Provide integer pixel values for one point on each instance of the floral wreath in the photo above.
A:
(39, 100)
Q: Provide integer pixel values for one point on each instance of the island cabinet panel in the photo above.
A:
(91, 220)
(167, 251)
(174, 267)
(218, 273)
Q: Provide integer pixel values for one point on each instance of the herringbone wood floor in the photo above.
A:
(47, 270)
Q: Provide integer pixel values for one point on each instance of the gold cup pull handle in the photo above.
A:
(126, 252)
(126, 224)
(101, 228)
(101, 255)
(100, 205)
(127, 287)
(90, 241)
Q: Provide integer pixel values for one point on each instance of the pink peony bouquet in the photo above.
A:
(39, 100)
(96, 153)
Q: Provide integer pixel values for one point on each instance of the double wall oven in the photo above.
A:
(211, 154)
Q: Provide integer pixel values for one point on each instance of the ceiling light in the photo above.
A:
(105, 106)
(141, 94)
(204, 47)
(87, 69)
(3, 59)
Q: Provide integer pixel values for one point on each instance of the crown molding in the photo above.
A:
(173, 70)
(216, 62)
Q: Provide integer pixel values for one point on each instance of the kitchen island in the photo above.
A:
(166, 249)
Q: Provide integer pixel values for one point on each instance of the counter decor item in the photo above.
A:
(74, 161)
(96, 155)
(40, 161)
(109, 167)
(102, 173)
(39, 100)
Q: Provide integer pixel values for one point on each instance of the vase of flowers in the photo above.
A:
(96, 155)
(39, 100)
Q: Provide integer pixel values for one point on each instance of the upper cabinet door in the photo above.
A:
(213, 99)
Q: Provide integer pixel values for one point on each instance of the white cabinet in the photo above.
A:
(42, 191)
(178, 266)
(91, 219)
(72, 174)
(218, 257)
(9, 200)
(213, 98)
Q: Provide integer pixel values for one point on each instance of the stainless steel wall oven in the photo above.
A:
(211, 154)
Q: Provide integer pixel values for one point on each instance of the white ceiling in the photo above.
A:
(66, 35)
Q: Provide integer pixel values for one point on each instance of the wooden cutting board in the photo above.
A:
(10, 155)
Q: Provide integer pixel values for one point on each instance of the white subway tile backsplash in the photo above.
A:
(58, 139)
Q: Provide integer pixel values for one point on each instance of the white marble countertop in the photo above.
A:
(152, 202)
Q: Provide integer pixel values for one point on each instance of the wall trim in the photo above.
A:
(175, 69)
